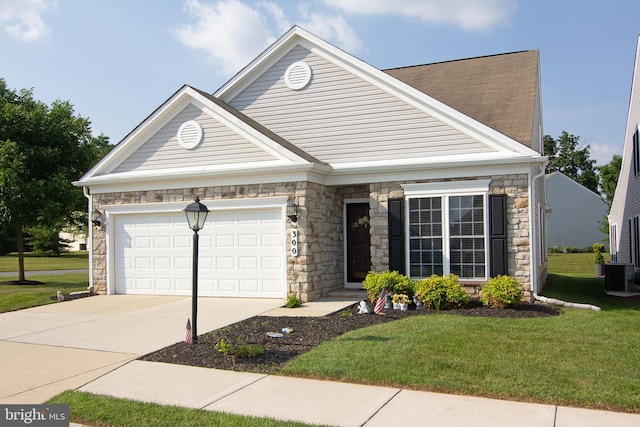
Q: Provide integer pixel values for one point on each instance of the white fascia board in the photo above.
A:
(412, 172)
(161, 180)
(478, 186)
(451, 160)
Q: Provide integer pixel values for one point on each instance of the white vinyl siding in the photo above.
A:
(341, 118)
(626, 202)
(577, 213)
(220, 146)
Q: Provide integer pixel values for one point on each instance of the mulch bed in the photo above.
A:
(307, 333)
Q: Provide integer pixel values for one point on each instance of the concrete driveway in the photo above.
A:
(48, 349)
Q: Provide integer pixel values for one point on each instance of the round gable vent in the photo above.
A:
(190, 134)
(297, 75)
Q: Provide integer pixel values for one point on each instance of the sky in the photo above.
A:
(116, 61)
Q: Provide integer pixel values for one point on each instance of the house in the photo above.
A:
(426, 170)
(577, 213)
(624, 216)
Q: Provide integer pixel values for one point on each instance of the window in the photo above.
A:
(447, 233)
(613, 242)
(636, 152)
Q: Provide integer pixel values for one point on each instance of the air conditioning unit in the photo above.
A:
(618, 277)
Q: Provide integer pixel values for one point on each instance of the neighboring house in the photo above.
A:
(624, 216)
(76, 242)
(577, 213)
(427, 170)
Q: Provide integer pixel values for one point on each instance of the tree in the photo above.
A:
(42, 150)
(609, 174)
(567, 157)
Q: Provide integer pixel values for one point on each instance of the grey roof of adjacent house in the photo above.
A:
(498, 90)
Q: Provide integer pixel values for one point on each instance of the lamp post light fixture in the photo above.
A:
(196, 216)
(292, 211)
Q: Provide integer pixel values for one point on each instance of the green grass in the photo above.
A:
(66, 261)
(580, 358)
(17, 297)
(576, 265)
(104, 411)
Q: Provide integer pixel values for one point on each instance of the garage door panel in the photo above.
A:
(240, 254)
(162, 242)
(248, 286)
(228, 286)
(225, 241)
(162, 263)
(180, 242)
(247, 241)
(248, 263)
(163, 284)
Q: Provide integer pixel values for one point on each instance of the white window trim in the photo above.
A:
(445, 190)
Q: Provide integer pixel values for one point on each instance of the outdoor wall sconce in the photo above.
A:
(292, 211)
(96, 218)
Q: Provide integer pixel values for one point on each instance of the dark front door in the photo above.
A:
(358, 242)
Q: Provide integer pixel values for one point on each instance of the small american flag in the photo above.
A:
(380, 303)
(187, 334)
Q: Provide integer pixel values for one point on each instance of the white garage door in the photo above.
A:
(242, 254)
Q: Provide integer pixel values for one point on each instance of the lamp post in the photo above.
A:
(196, 216)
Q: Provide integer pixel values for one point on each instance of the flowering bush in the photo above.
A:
(400, 299)
(393, 281)
(501, 292)
(438, 292)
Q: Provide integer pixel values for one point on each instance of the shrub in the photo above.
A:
(293, 302)
(45, 241)
(441, 293)
(501, 292)
(598, 247)
(393, 281)
(240, 349)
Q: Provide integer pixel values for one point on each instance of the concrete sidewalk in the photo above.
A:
(333, 403)
(91, 345)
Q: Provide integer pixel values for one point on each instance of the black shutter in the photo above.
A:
(396, 235)
(498, 234)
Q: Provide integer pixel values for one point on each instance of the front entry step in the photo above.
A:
(348, 294)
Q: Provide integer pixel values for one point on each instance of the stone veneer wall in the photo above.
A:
(317, 269)
(516, 189)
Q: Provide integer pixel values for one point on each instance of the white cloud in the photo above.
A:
(22, 19)
(603, 153)
(228, 31)
(468, 14)
(333, 28)
(231, 33)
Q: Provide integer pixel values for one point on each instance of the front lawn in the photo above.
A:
(17, 297)
(66, 261)
(104, 411)
(580, 358)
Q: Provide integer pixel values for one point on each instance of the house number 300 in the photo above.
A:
(294, 242)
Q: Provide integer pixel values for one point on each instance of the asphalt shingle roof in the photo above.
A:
(498, 91)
